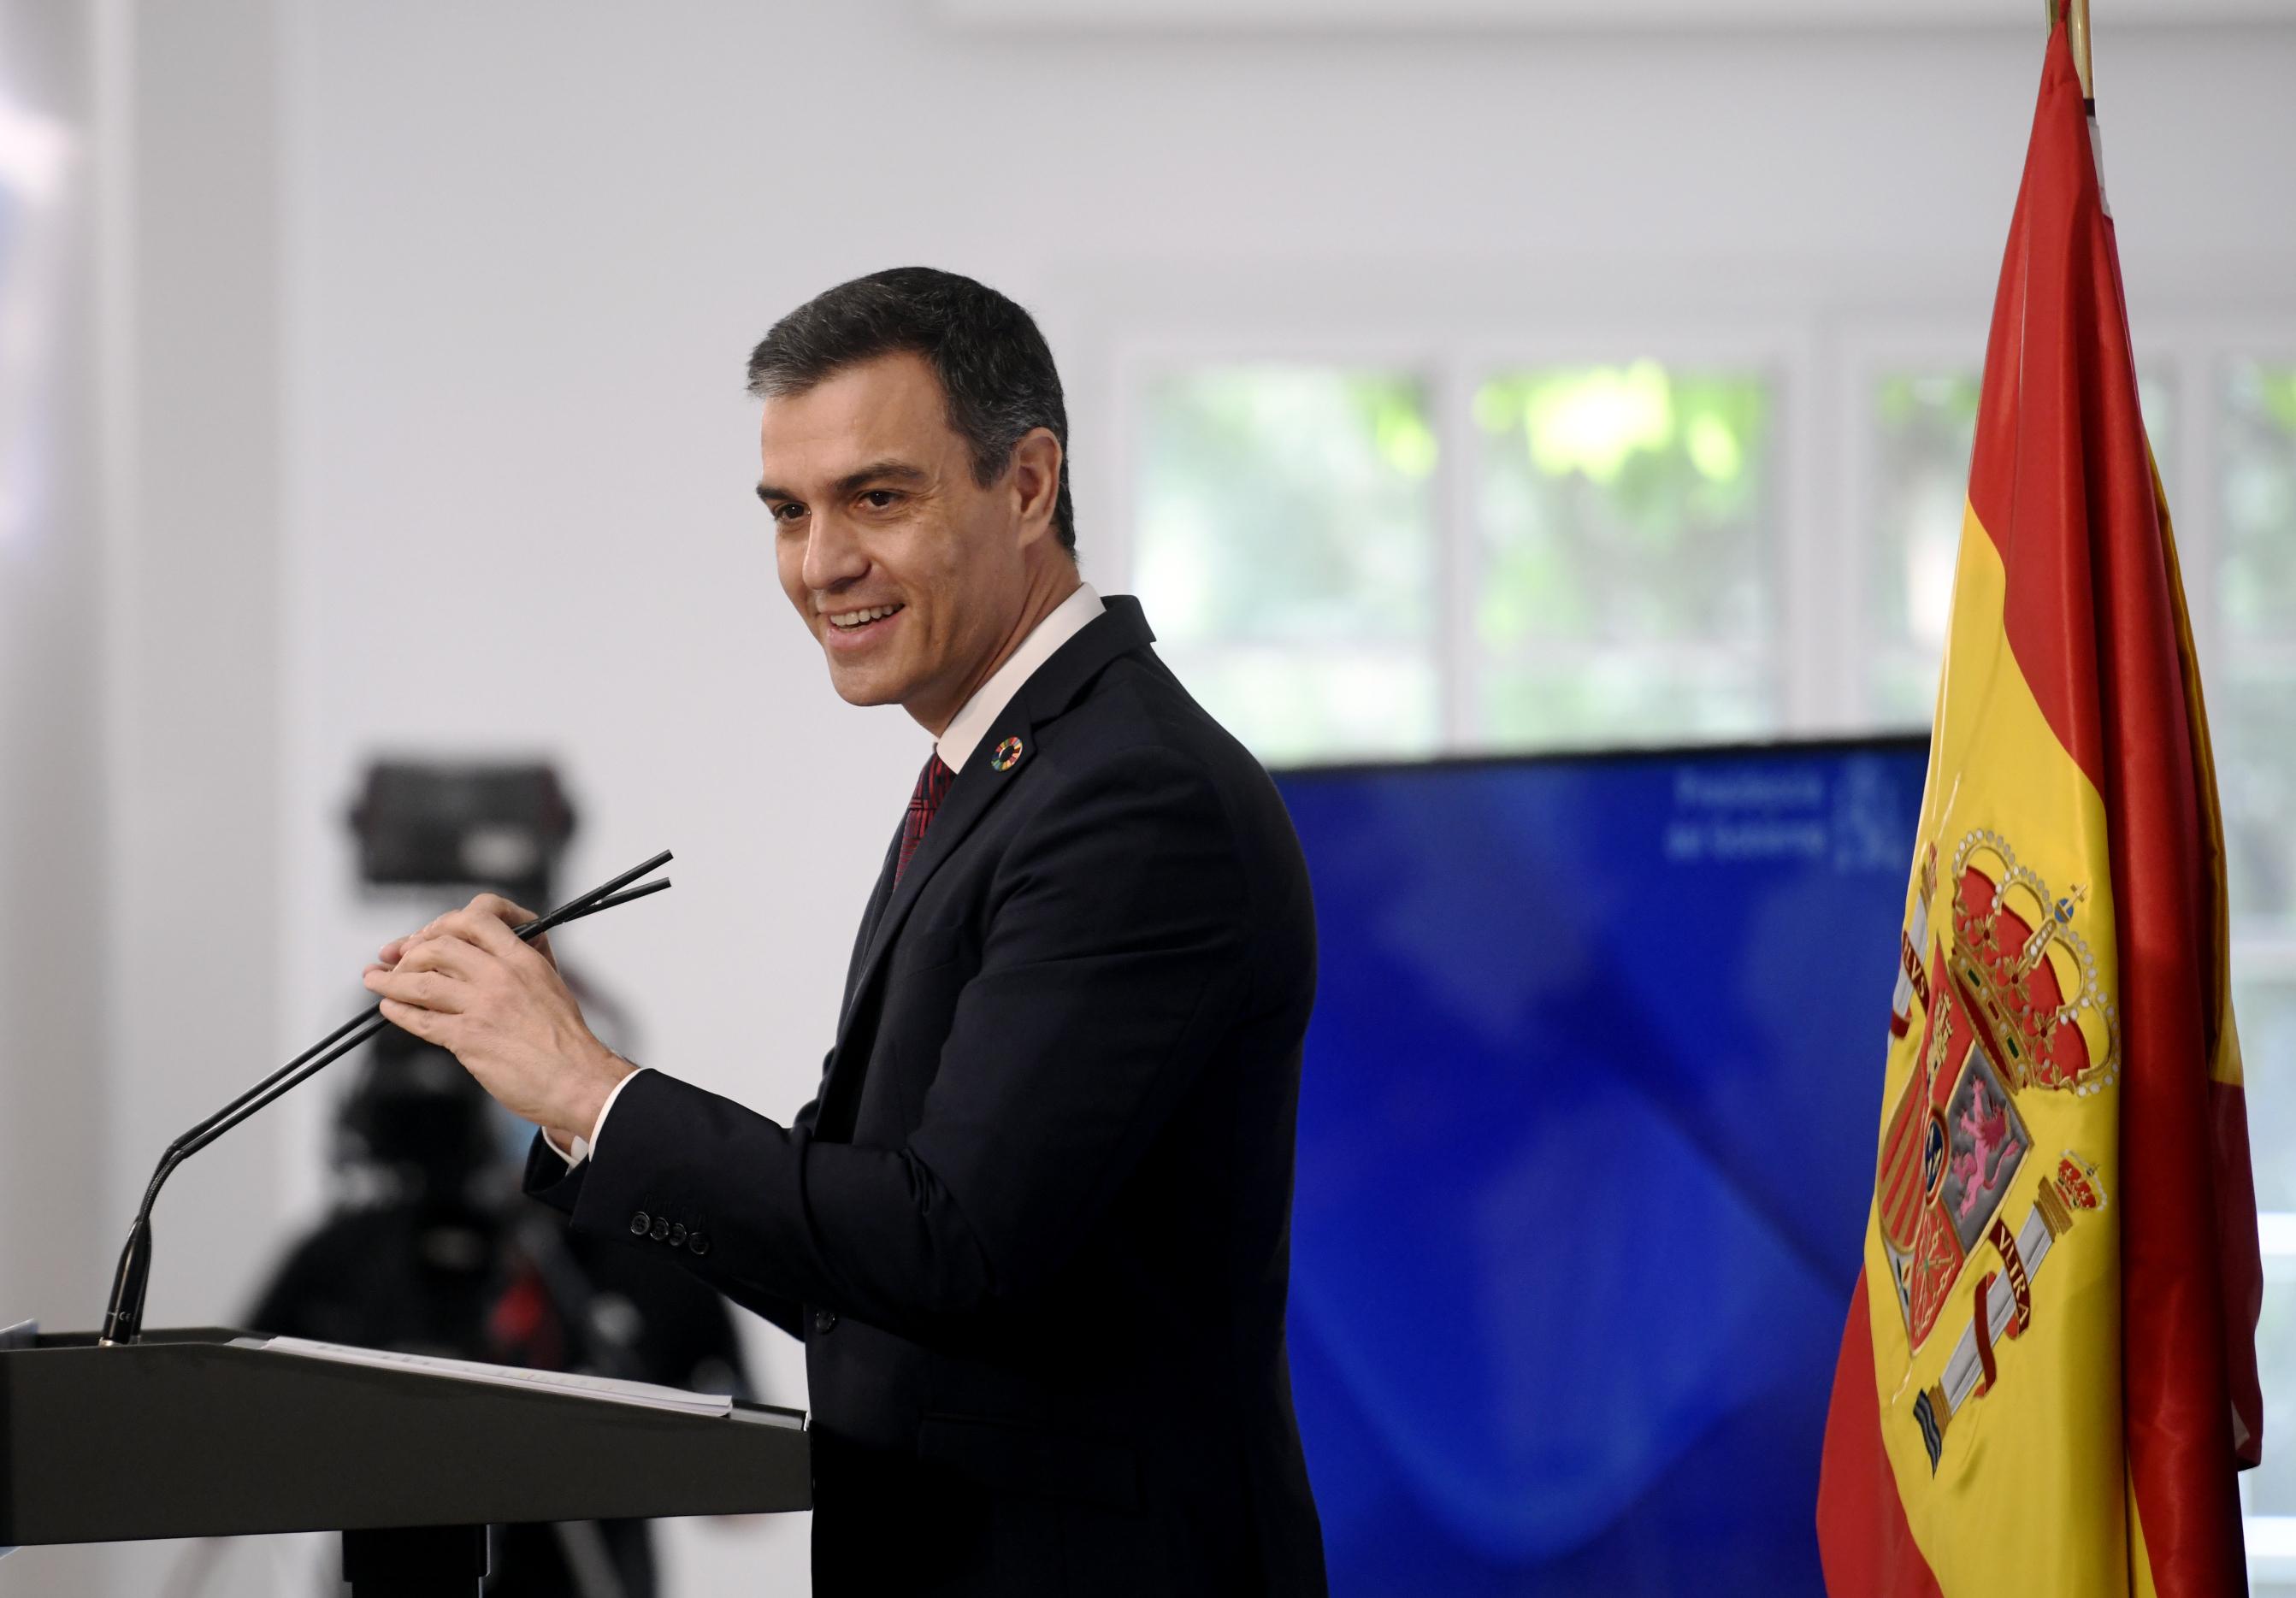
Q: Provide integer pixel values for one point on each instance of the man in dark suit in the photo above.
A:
(1033, 1228)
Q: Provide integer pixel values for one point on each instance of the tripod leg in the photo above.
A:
(416, 1561)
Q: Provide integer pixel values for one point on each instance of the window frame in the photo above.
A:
(1824, 364)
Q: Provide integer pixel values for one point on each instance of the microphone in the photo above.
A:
(123, 1317)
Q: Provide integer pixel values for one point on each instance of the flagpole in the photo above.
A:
(2076, 15)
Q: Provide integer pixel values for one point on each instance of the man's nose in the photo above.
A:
(833, 556)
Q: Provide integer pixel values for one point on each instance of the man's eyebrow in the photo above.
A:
(875, 472)
(880, 471)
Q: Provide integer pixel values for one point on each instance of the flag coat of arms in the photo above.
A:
(2048, 1379)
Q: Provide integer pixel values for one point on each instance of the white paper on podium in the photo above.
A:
(611, 1389)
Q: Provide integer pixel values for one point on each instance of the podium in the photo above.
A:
(198, 1432)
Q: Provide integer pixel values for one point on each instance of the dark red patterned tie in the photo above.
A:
(932, 786)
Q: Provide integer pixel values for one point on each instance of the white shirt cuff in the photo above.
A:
(584, 1147)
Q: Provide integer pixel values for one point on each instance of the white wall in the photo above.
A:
(503, 266)
(53, 986)
(140, 753)
(52, 859)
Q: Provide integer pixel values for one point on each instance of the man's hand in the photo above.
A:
(466, 983)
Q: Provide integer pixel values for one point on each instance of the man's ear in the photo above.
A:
(1036, 479)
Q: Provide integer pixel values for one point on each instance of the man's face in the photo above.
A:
(910, 573)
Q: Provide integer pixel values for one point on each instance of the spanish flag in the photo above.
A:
(2048, 1377)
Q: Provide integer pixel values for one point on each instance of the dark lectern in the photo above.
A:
(199, 1433)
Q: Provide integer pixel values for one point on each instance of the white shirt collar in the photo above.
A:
(970, 725)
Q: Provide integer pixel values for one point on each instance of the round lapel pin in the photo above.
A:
(1007, 755)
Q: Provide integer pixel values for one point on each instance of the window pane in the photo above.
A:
(2265, 1008)
(1286, 554)
(1286, 504)
(1901, 686)
(2156, 397)
(1616, 698)
(1924, 425)
(2253, 724)
(1293, 706)
(2258, 599)
(2271, 1487)
(1624, 511)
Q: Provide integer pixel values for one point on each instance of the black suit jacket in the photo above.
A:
(1034, 1227)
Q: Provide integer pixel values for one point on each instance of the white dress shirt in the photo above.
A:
(955, 746)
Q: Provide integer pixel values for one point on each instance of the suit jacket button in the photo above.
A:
(676, 1234)
(639, 1223)
(697, 1242)
(661, 1228)
(825, 1320)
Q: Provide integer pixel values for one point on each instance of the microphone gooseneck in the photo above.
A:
(123, 1316)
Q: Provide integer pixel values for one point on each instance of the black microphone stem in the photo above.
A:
(123, 1316)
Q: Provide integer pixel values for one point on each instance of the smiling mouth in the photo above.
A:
(854, 621)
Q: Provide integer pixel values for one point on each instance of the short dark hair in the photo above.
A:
(994, 368)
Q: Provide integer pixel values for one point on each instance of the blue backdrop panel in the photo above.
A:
(1586, 1144)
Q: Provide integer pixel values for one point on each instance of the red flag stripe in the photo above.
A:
(1863, 1541)
(2030, 480)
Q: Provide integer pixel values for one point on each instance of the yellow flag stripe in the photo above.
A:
(2014, 1502)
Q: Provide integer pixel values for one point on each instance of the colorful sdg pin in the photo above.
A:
(1007, 755)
